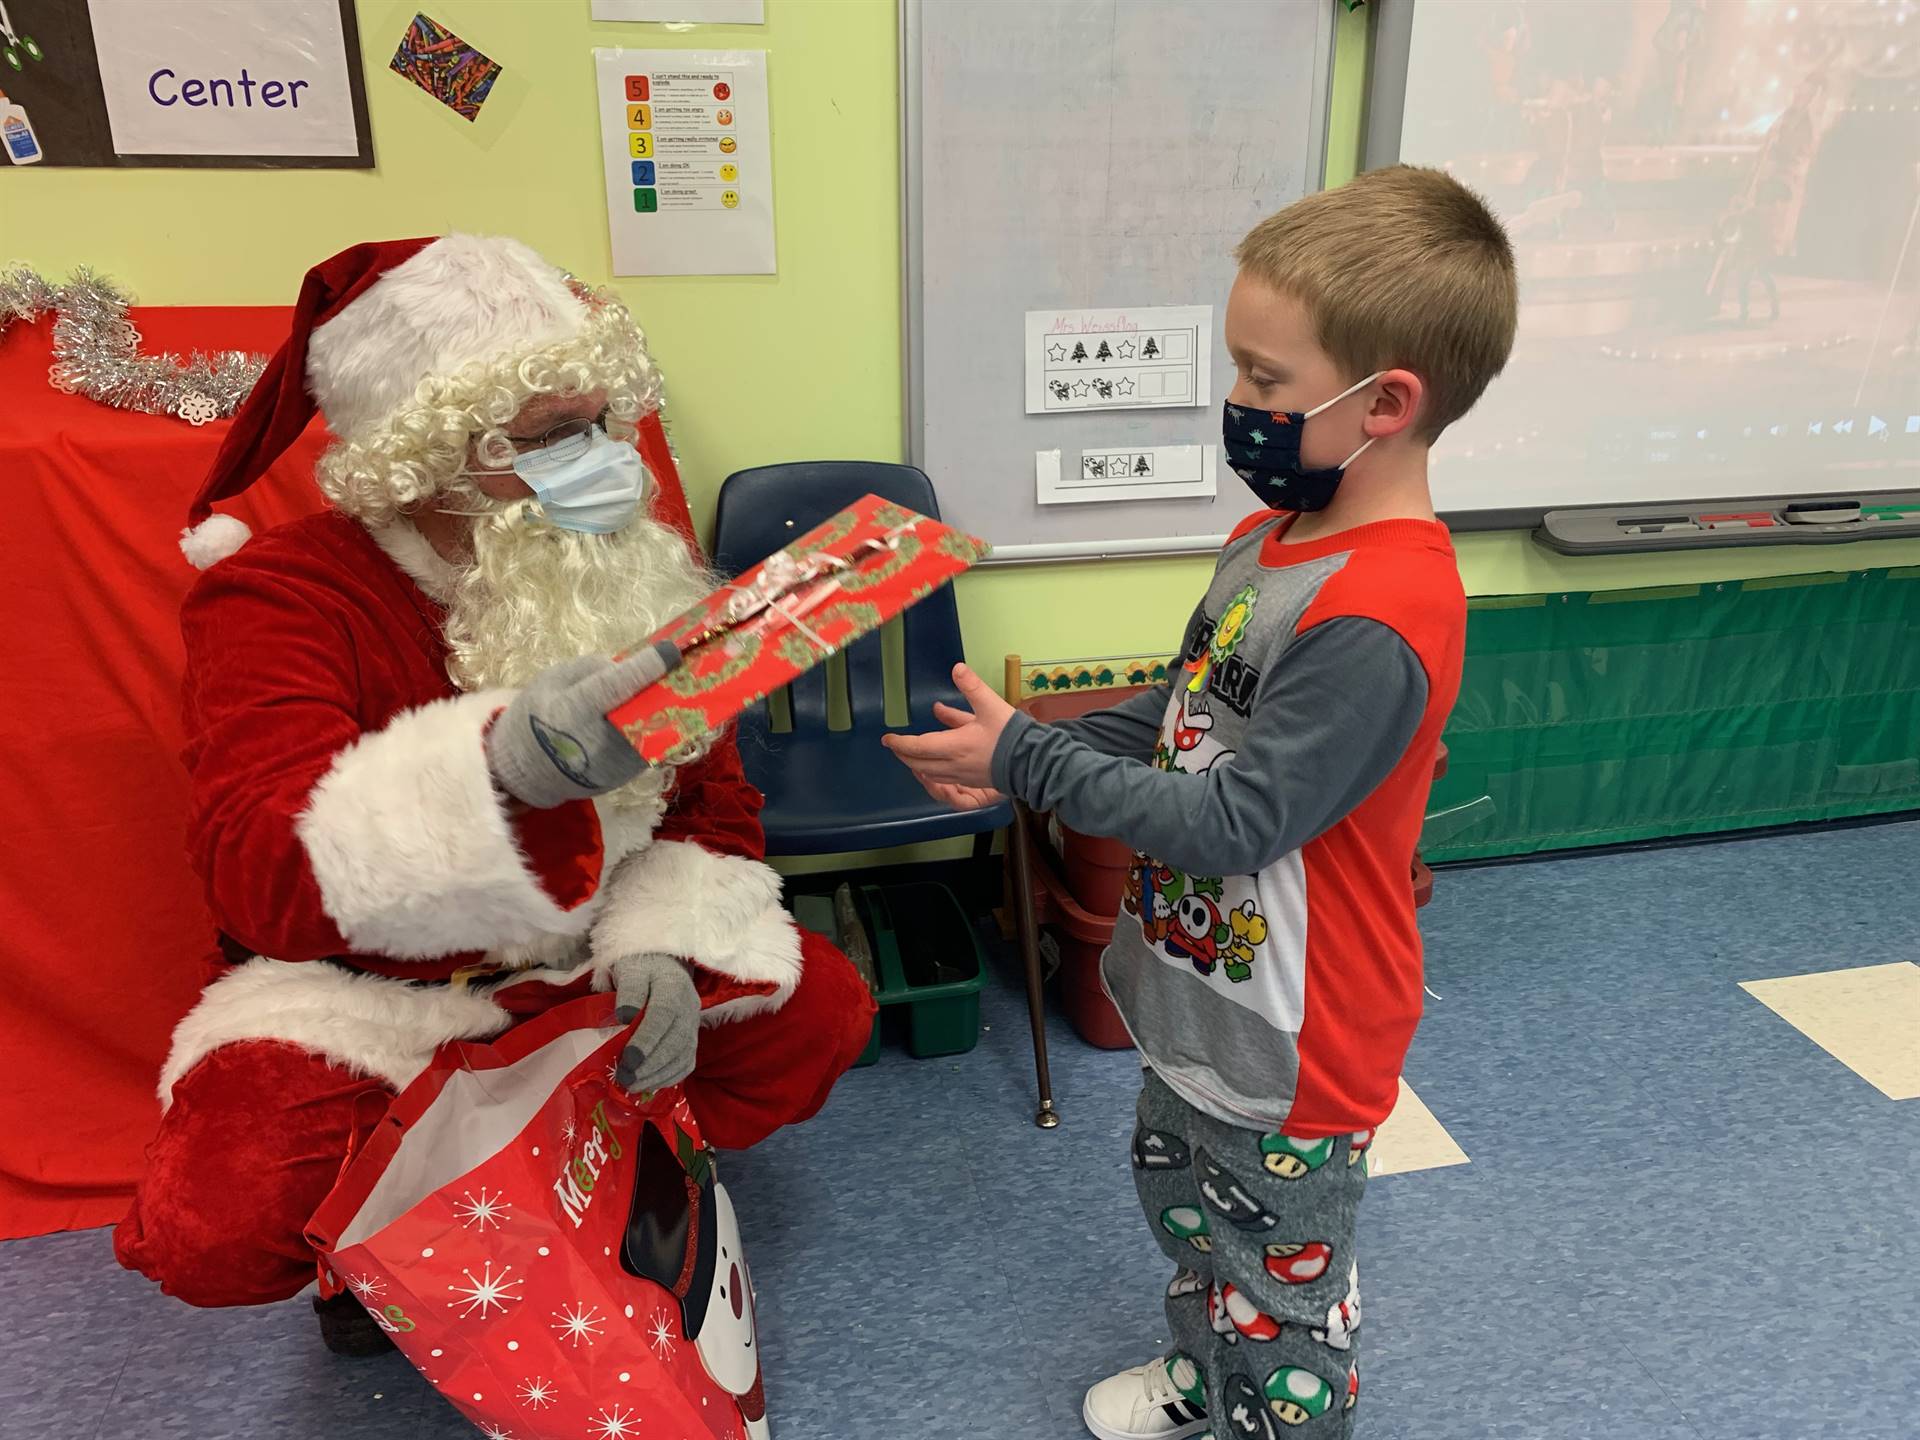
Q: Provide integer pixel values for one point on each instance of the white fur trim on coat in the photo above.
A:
(365, 1023)
(416, 558)
(412, 847)
(213, 540)
(721, 912)
(461, 300)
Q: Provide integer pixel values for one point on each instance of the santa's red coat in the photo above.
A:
(351, 840)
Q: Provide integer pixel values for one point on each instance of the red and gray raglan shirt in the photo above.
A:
(1269, 965)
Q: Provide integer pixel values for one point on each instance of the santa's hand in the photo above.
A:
(661, 1049)
(554, 743)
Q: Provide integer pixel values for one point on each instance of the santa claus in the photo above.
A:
(412, 819)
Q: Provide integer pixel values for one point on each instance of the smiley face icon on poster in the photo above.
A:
(722, 91)
(729, 172)
(730, 199)
(723, 117)
(728, 145)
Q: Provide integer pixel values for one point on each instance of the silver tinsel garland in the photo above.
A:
(96, 351)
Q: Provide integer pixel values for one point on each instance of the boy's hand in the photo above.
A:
(957, 767)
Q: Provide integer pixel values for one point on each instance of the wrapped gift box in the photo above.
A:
(839, 581)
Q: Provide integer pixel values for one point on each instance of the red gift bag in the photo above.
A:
(556, 1257)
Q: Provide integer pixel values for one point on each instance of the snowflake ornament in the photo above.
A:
(495, 1432)
(569, 1130)
(197, 409)
(478, 1213)
(615, 1424)
(366, 1288)
(660, 1334)
(576, 1323)
(538, 1392)
(484, 1292)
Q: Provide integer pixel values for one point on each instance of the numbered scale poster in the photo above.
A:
(689, 161)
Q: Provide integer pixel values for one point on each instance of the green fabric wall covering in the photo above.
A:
(1642, 714)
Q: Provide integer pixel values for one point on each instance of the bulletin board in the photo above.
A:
(1087, 155)
(231, 84)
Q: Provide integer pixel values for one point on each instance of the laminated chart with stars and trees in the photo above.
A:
(1143, 359)
(688, 157)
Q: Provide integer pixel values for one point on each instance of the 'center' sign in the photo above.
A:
(268, 78)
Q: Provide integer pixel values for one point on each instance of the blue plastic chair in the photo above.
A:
(836, 790)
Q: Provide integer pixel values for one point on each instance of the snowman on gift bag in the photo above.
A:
(682, 1234)
(724, 1331)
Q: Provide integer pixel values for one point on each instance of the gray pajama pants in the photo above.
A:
(1265, 1310)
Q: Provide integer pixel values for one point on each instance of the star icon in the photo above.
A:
(1125, 387)
(1079, 389)
(1125, 347)
(485, 1291)
(1056, 352)
(537, 1391)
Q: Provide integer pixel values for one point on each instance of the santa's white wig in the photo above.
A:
(418, 450)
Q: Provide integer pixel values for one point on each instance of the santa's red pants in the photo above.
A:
(257, 1132)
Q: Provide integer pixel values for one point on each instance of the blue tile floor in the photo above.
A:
(1681, 1218)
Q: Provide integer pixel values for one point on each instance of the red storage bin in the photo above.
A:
(1080, 896)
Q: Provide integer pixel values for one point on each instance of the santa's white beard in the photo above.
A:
(535, 594)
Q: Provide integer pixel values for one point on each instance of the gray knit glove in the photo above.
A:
(662, 1048)
(554, 743)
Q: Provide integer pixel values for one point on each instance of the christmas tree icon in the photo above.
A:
(1149, 350)
(1079, 350)
(1103, 353)
(1141, 467)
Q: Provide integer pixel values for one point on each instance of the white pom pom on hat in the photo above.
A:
(213, 539)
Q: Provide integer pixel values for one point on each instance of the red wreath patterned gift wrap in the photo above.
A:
(556, 1257)
(784, 616)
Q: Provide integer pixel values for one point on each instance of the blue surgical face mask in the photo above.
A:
(1263, 447)
(588, 482)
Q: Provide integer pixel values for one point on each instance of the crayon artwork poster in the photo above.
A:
(445, 66)
(687, 151)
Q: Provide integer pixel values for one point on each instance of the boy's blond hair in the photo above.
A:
(1401, 267)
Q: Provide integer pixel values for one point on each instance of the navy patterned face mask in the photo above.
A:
(1263, 447)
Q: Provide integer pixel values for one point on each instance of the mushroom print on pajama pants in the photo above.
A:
(1264, 1307)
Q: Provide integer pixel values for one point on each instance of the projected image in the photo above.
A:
(1713, 204)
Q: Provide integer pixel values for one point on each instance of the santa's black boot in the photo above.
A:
(347, 1329)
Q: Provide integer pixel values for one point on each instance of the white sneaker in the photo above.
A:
(1161, 1400)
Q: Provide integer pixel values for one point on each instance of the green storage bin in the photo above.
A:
(925, 957)
(928, 959)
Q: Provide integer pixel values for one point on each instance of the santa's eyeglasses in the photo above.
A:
(563, 441)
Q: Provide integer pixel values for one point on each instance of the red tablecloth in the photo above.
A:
(104, 939)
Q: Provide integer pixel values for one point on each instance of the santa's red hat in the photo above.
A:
(371, 323)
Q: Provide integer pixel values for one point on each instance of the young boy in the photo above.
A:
(1271, 972)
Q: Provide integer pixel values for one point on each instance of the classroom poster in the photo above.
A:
(225, 83)
(689, 161)
(1147, 358)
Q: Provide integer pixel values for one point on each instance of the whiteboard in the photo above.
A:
(1716, 222)
(1074, 155)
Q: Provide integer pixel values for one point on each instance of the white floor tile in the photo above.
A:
(1412, 1139)
(1867, 1018)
